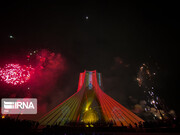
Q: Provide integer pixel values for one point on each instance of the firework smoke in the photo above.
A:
(40, 75)
(49, 66)
(152, 104)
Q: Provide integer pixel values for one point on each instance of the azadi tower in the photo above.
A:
(90, 104)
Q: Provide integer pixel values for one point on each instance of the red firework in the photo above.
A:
(15, 74)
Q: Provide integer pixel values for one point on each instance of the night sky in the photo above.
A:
(112, 38)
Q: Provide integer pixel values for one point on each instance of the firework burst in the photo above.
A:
(146, 81)
(15, 74)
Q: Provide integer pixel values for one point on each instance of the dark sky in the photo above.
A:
(133, 32)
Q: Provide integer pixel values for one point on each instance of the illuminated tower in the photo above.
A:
(90, 105)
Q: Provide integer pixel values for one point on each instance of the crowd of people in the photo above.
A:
(8, 124)
(32, 127)
(152, 126)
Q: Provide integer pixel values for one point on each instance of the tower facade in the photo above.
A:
(90, 105)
